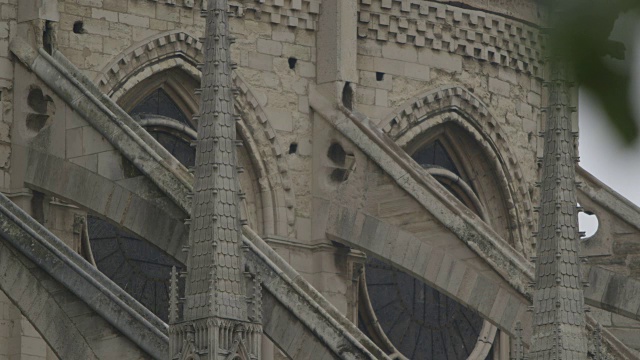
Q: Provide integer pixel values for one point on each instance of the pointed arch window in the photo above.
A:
(160, 103)
(435, 155)
(409, 318)
(133, 263)
(136, 266)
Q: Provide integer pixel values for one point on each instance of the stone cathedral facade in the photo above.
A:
(303, 179)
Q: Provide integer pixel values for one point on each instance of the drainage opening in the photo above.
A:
(292, 63)
(78, 27)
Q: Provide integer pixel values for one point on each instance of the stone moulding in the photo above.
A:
(184, 51)
(85, 281)
(470, 33)
(301, 14)
(295, 13)
(424, 111)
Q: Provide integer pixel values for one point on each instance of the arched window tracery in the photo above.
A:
(401, 313)
(133, 263)
(164, 106)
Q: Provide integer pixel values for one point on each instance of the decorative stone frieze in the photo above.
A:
(296, 13)
(470, 33)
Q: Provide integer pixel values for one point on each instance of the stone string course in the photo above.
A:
(455, 30)
(294, 13)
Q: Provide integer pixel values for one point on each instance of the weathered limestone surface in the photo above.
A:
(414, 66)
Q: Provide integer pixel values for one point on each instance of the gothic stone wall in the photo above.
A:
(417, 46)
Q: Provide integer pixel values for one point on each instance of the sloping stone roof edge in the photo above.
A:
(137, 145)
(291, 289)
(602, 194)
(85, 281)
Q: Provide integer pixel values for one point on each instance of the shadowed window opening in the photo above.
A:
(36, 122)
(419, 321)
(337, 154)
(48, 37)
(293, 148)
(37, 100)
(78, 27)
(347, 96)
(379, 76)
(160, 103)
(435, 155)
(292, 63)
(177, 146)
(402, 313)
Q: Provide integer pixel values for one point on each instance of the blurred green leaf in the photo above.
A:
(580, 36)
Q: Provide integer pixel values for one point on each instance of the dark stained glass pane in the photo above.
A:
(435, 154)
(420, 322)
(160, 103)
(134, 264)
(178, 147)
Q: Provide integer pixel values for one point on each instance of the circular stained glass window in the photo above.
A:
(134, 264)
(403, 314)
(418, 321)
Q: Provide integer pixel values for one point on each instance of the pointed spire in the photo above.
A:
(559, 326)
(214, 285)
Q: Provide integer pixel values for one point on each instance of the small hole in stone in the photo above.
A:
(379, 76)
(339, 175)
(37, 100)
(337, 154)
(48, 37)
(292, 63)
(36, 122)
(78, 27)
(293, 148)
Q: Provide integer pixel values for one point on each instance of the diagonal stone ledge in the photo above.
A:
(603, 195)
(467, 282)
(88, 284)
(614, 292)
(109, 119)
(310, 309)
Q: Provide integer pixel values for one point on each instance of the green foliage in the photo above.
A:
(580, 35)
